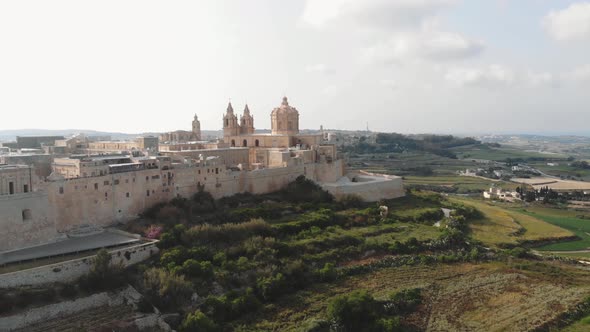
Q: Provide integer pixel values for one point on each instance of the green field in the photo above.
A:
(562, 170)
(499, 154)
(464, 184)
(505, 226)
(566, 219)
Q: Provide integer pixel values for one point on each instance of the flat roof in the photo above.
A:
(68, 246)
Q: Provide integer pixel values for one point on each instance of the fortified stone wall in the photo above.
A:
(26, 220)
(69, 271)
(121, 197)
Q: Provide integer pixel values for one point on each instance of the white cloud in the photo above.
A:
(493, 75)
(541, 79)
(330, 90)
(499, 76)
(424, 45)
(580, 74)
(319, 68)
(571, 23)
(389, 83)
(379, 13)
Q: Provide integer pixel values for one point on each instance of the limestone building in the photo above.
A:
(101, 190)
(183, 135)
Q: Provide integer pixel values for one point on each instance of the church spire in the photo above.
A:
(285, 101)
(230, 109)
(246, 110)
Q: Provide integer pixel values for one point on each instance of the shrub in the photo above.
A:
(195, 269)
(231, 305)
(315, 325)
(271, 287)
(103, 275)
(328, 273)
(357, 311)
(198, 321)
(226, 233)
(404, 301)
(304, 190)
(166, 289)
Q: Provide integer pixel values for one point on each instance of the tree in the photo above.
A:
(166, 289)
(103, 274)
(357, 311)
(198, 321)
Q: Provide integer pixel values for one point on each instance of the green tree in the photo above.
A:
(357, 311)
(198, 321)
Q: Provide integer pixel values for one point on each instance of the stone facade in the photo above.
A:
(285, 119)
(103, 190)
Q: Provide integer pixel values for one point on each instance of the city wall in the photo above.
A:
(26, 220)
(112, 198)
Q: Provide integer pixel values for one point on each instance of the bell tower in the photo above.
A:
(230, 123)
(196, 129)
(247, 122)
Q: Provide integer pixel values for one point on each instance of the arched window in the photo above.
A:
(227, 122)
(233, 143)
(245, 143)
(257, 142)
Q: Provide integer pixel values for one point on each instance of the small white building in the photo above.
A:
(497, 193)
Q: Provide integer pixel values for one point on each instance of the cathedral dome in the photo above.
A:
(284, 119)
(285, 108)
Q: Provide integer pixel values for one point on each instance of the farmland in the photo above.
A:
(502, 226)
(466, 296)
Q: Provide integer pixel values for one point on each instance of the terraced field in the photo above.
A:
(462, 297)
(99, 319)
(565, 219)
(501, 226)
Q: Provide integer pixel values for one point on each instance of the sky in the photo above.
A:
(409, 66)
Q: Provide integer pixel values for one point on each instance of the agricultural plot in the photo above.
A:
(565, 219)
(463, 184)
(499, 154)
(501, 226)
(460, 297)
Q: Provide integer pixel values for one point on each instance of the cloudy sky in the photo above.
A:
(444, 66)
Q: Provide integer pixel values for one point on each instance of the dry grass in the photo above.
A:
(503, 226)
(462, 297)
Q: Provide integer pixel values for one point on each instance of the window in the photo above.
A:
(127, 194)
(257, 143)
(26, 188)
(147, 178)
(96, 186)
(244, 143)
(106, 194)
(106, 183)
(147, 193)
(216, 170)
(233, 143)
(11, 188)
(61, 190)
(27, 215)
(117, 182)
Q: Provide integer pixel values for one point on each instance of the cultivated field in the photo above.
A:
(504, 226)
(459, 297)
